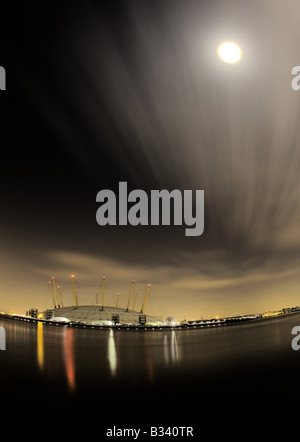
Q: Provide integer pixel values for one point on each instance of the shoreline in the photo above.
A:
(188, 325)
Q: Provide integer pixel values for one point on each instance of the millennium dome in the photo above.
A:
(96, 315)
(99, 314)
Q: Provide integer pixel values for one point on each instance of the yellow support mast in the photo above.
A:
(130, 295)
(103, 288)
(55, 291)
(74, 292)
(52, 293)
(134, 302)
(60, 295)
(145, 299)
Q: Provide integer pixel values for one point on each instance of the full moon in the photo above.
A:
(229, 52)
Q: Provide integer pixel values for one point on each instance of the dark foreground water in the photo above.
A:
(149, 373)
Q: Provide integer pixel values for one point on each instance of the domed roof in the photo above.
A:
(94, 314)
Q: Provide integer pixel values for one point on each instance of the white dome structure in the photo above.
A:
(96, 315)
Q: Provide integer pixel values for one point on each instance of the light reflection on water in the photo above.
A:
(139, 355)
(40, 346)
(171, 352)
(68, 352)
(112, 354)
(122, 359)
(84, 362)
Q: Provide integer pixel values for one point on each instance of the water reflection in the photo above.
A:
(68, 348)
(40, 345)
(171, 352)
(149, 357)
(56, 353)
(85, 364)
(112, 353)
(64, 348)
(166, 350)
(174, 348)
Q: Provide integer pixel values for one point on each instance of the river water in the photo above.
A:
(117, 370)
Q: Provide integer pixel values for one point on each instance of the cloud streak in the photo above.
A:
(142, 97)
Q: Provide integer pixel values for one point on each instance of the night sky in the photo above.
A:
(103, 92)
